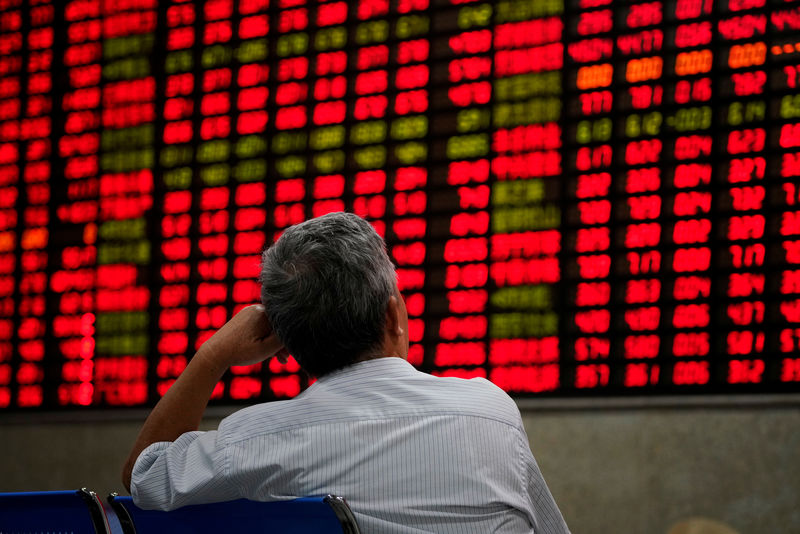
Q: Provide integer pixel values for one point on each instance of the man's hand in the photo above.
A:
(246, 339)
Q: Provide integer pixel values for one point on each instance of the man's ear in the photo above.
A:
(393, 325)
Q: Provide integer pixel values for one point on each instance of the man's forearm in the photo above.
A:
(180, 410)
(244, 340)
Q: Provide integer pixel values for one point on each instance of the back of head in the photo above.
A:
(325, 285)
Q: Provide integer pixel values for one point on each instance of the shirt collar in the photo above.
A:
(375, 367)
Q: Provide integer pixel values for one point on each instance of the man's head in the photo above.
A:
(326, 285)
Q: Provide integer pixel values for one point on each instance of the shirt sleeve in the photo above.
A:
(547, 518)
(193, 469)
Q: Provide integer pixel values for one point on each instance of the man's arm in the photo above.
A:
(246, 339)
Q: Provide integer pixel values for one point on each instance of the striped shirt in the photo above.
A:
(410, 452)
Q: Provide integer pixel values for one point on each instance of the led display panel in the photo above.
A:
(581, 197)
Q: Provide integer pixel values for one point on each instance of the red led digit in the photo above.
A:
(689, 9)
(691, 373)
(252, 27)
(372, 8)
(593, 294)
(331, 13)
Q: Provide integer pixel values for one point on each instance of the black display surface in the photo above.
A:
(582, 197)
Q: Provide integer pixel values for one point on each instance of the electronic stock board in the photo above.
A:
(582, 197)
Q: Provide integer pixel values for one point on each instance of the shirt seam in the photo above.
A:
(230, 441)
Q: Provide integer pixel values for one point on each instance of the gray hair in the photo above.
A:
(325, 285)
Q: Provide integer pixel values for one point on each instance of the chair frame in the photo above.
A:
(337, 504)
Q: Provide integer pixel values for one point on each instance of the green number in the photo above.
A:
(172, 156)
(651, 123)
(249, 146)
(410, 26)
(506, 325)
(583, 132)
(376, 31)
(126, 69)
(647, 124)
(294, 44)
(215, 56)
(252, 51)
(790, 106)
(127, 161)
(471, 16)
(328, 137)
(472, 119)
(370, 157)
(739, 112)
(137, 136)
(689, 119)
(537, 296)
(411, 153)
(468, 146)
(735, 115)
(125, 46)
(180, 178)
(110, 323)
(409, 127)
(535, 110)
(250, 170)
(214, 151)
(505, 220)
(122, 230)
(365, 133)
(515, 10)
(180, 61)
(330, 38)
(517, 192)
(524, 86)
(215, 174)
(286, 142)
(290, 166)
(329, 162)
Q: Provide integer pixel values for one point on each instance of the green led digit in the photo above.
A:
(472, 119)
(327, 138)
(172, 156)
(537, 296)
(180, 61)
(370, 157)
(252, 51)
(291, 166)
(468, 146)
(365, 133)
(411, 153)
(517, 192)
(330, 161)
(216, 56)
(250, 170)
(214, 151)
(286, 142)
(330, 38)
(472, 16)
(411, 26)
(790, 106)
(217, 174)
(180, 178)
(409, 127)
(250, 146)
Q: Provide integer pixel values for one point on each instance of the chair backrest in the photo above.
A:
(307, 515)
(40, 512)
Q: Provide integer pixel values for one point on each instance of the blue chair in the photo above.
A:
(307, 515)
(42, 512)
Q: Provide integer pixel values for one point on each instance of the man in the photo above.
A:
(409, 451)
